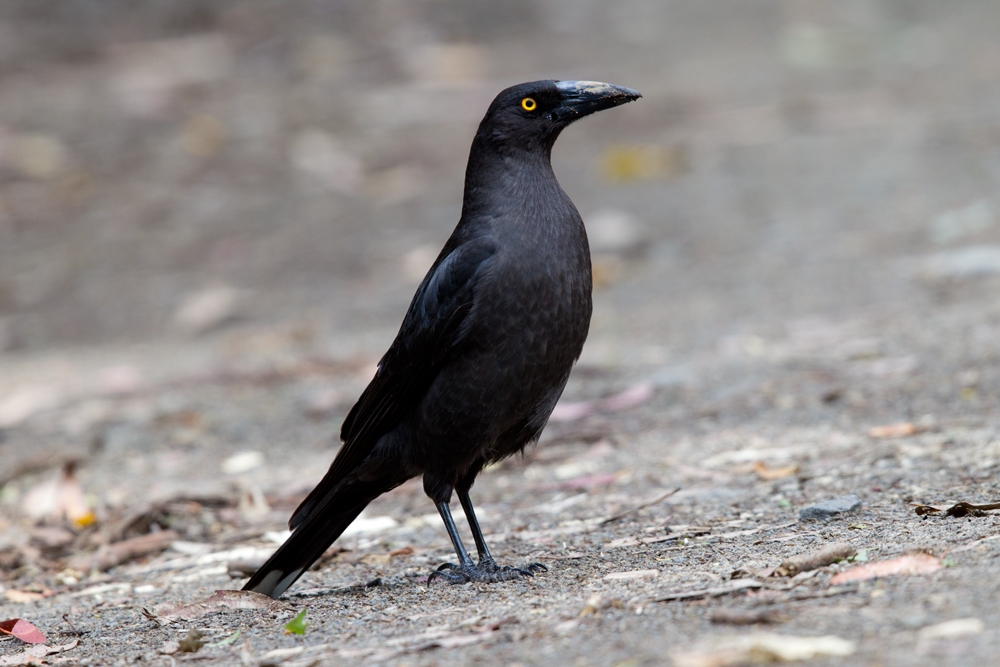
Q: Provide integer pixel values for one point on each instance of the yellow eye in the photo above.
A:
(528, 104)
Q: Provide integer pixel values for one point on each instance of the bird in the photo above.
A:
(485, 348)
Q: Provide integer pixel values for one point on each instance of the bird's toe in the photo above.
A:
(449, 572)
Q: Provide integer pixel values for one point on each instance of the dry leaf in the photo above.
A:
(631, 397)
(218, 601)
(958, 627)
(634, 574)
(109, 555)
(170, 647)
(22, 596)
(899, 430)
(595, 603)
(23, 630)
(910, 564)
(764, 647)
(768, 474)
(455, 641)
(375, 559)
(956, 510)
(402, 551)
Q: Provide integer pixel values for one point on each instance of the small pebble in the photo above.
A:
(830, 508)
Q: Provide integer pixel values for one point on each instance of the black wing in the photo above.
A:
(435, 324)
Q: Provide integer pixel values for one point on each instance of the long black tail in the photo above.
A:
(313, 535)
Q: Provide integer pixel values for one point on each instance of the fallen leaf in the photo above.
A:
(279, 655)
(633, 574)
(35, 655)
(23, 630)
(375, 559)
(22, 596)
(631, 397)
(957, 510)
(595, 603)
(958, 627)
(170, 647)
(766, 473)
(899, 430)
(297, 626)
(109, 555)
(218, 601)
(974, 544)
(909, 564)
(764, 647)
(455, 641)
(402, 551)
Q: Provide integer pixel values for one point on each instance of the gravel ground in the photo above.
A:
(213, 216)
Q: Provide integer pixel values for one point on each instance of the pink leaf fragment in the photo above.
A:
(631, 397)
(568, 412)
(23, 630)
(909, 564)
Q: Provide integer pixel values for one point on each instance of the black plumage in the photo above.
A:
(486, 346)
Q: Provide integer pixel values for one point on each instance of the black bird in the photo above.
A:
(486, 346)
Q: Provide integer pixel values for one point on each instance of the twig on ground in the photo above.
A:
(812, 560)
(642, 506)
(110, 555)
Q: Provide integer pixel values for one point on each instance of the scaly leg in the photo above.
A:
(487, 570)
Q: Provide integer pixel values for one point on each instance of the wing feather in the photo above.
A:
(435, 324)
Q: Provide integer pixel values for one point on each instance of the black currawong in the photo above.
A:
(485, 348)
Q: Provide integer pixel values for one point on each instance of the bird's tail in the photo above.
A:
(313, 535)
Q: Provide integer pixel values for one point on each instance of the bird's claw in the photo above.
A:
(485, 572)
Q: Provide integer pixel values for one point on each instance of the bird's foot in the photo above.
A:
(485, 572)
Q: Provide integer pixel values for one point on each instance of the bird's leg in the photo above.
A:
(477, 532)
(486, 561)
(465, 570)
(451, 572)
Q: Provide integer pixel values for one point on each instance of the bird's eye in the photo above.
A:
(529, 104)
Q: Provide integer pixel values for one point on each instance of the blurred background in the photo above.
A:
(170, 169)
(213, 216)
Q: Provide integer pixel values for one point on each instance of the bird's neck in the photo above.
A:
(498, 178)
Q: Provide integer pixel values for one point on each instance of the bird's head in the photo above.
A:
(529, 116)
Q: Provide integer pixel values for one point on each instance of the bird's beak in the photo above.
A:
(580, 98)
